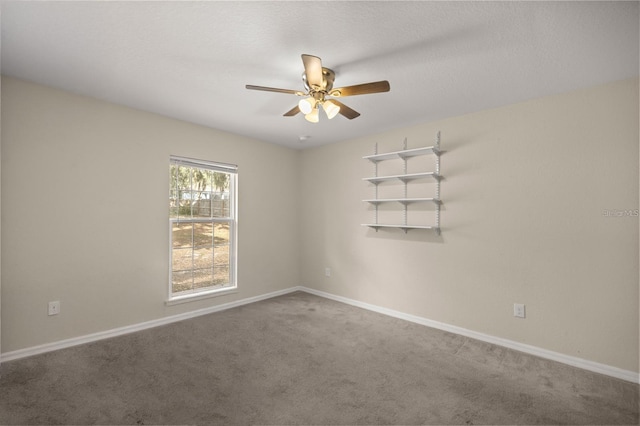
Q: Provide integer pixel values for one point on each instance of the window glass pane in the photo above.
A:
(220, 184)
(173, 173)
(182, 281)
(221, 275)
(201, 205)
(220, 207)
(221, 262)
(202, 278)
(182, 235)
(173, 204)
(199, 179)
(203, 258)
(217, 207)
(221, 259)
(203, 234)
(221, 234)
(184, 204)
(180, 177)
(181, 259)
(210, 181)
(221, 255)
(183, 178)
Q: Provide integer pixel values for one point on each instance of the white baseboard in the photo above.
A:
(596, 367)
(608, 370)
(48, 347)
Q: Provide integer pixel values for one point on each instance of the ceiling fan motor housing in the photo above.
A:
(328, 76)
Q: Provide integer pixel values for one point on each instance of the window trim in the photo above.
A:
(232, 219)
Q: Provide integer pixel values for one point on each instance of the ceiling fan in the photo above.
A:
(318, 83)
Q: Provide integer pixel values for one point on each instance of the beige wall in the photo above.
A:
(85, 219)
(525, 190)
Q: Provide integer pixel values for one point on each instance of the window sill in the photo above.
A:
(201, 295)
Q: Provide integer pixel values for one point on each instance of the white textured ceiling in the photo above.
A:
(191, 60)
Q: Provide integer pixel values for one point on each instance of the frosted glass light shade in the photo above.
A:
(331, 109)
(313, 116)
(307, 105)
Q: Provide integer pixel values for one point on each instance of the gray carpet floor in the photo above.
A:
(303, 359)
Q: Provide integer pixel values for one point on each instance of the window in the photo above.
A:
(203, 227)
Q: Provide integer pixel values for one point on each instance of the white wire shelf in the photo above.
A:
(405, 153)
(404, 178)
(403, 200)
(405, 228)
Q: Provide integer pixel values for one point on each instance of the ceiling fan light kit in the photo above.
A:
(318, 82)
(310, 107)
(331, 109)
(313, 116)
(307, 105)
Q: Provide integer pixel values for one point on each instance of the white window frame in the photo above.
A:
(232, 220)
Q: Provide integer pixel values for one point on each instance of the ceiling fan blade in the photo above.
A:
(362, 89)
(345, 110)
(273, 89)
(313, 70)
(293, 111)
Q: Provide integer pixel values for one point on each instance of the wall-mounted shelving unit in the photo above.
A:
(406, 178)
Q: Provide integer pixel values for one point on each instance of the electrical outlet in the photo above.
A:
(54, 308)
(327, 272)
(518, 310)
